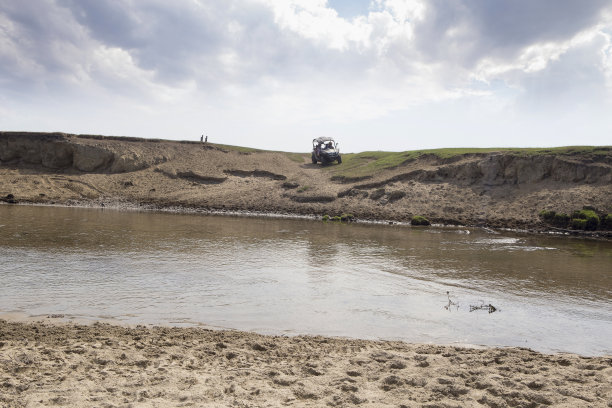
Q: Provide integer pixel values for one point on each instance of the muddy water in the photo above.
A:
(283, 276)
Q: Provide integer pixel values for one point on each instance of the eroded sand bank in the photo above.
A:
(495, 189)
(43, 364)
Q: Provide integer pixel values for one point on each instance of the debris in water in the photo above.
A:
(490, 308)
(450, 302)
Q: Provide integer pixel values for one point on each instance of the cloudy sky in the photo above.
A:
(375, 74)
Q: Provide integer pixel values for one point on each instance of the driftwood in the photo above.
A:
(490, 308)
(482, 306)
(450, 302)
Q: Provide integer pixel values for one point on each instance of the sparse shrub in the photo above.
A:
(302, 189)
(561, 220)
(418, 220)
(353, 192)
(378, 194)
(585, 219)
(547, 215)
(578, 224)
(583, 214)
(339, 218)
(289, 185)
(347, 217)
(591, 219)
(606, 222)
(396, 195)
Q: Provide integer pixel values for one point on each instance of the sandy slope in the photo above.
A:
(110, 366)
(495, 189)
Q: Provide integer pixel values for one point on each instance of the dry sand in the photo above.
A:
(101, 365)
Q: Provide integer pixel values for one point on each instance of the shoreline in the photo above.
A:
(482, 189)
(46, 364)
(47, 319)
(118, 205)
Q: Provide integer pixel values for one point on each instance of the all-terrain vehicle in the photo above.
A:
(325, 150)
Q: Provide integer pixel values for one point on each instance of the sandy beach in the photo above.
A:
(46, 363)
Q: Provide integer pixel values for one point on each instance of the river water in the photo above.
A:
(282, 276)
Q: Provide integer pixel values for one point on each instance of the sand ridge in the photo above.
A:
(43, 364)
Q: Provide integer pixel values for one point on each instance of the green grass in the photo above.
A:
(606, 222)
(339, 218)
(419, 220)
(368, 163)
(585, 219)
(295, 157)
(232, 148)
(590, 218)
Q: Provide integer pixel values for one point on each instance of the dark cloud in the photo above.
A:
(113, 23)
(178, 41)
(140, 48)
(465, 31)
(38, 38)
(172, 39)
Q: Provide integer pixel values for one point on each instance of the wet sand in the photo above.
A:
(47, 363)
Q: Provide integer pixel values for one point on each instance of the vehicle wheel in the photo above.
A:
(339, 159)
(314, 159)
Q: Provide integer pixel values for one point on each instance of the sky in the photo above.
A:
(388, 75)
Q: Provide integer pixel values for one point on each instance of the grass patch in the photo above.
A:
(418, 220)
(296, 157)
(586, 219)
(369, 163)
(561, 220)
(606, 222)
(240, 149)
(590, 218)
(339, 218)
(547, 215)
(578, 224)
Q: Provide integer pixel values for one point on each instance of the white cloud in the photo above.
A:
(266, 65)
(404, 10)
(606, 59)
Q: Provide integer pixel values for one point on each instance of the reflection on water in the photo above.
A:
(292, 276)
